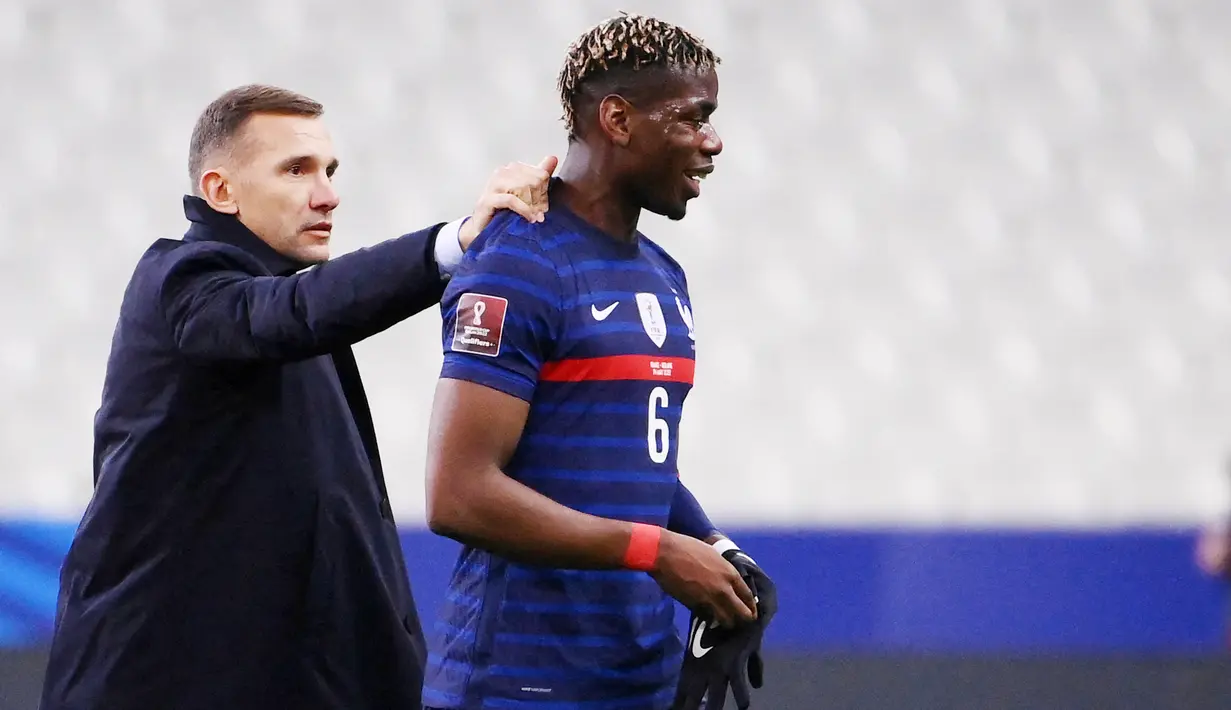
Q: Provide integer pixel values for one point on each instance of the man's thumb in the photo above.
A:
(548, 164)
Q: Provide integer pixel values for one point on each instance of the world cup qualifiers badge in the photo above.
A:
(479, 324)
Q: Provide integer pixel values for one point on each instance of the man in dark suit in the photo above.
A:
(239, 550)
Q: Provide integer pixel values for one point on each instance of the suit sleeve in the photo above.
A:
(218, 310)
(501, 311)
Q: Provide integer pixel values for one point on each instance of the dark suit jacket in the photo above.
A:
(239, 551)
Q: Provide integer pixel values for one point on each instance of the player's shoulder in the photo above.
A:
(510, 237)
(557, 240)
(511, 255)
(509, 228)
(661, 254)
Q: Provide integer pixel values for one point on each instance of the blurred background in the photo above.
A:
(961, 282)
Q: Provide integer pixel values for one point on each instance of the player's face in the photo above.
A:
(675, 143)
(282, 183)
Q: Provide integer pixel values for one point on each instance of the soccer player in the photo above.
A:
(569, 351)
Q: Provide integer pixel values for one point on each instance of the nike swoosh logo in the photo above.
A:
(697, 649)
(602, 315)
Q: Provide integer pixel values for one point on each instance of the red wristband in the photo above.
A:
(642, 550)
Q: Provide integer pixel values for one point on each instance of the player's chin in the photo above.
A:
(672, 209)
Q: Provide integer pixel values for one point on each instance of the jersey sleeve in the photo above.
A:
(501, 310)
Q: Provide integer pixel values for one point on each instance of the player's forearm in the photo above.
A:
(496, 513)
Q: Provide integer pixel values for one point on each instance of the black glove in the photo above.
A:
(716, 659)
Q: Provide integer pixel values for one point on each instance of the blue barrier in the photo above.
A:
(844, 590)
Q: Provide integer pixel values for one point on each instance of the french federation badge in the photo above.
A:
(652, 317)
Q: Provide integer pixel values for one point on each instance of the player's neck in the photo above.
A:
(587, 193)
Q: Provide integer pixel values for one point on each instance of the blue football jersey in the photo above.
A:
(597, 335)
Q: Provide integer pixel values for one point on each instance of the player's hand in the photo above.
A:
(517, 186)
(717, 659)
(695, 573)
(764, 593)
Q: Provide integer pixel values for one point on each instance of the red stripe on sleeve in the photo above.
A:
(620, 367)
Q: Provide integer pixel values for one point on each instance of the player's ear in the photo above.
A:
(215, 187)
(614, 116)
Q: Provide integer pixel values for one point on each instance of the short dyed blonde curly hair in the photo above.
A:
(627, 42)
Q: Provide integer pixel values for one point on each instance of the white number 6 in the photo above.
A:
(657, 427)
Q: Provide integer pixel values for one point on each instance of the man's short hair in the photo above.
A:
(618, 47)
(223, 119)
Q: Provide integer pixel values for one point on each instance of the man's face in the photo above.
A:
(281, 175)
(674, 144)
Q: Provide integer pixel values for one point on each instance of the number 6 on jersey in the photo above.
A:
(658, 428)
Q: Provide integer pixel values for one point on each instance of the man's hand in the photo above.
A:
(518, 187)
(697, 575)
(716, 658)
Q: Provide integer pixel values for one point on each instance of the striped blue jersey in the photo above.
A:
(597, 335)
